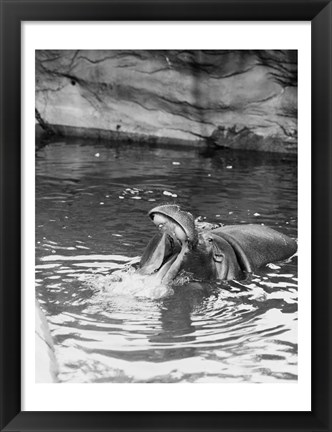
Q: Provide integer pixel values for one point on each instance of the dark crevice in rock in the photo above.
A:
(266, 99)
(233, 74)
(203, 137)
(291, 115)
(73, 60)
(283, 70)
(46, 90)
(61, 74)
(101, 60)
(112, 56)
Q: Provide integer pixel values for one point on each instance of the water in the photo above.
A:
(108, 324)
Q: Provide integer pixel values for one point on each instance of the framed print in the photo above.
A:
(165, 244)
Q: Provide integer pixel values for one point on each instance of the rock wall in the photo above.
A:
(238, 99)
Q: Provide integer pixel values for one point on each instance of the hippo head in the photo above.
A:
(224, 253)
(178, 246)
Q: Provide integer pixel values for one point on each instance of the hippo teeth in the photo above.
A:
(218, 258)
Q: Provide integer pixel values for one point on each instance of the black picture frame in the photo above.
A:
(13, 12)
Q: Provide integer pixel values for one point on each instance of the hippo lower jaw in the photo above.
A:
(165, 261)
(162, 260)
(164, 275)
(171, 268)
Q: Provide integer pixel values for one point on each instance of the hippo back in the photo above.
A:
(257, 245)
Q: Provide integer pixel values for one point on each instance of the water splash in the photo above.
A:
(126, 283)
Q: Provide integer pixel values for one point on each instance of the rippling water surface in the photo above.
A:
(108, 324)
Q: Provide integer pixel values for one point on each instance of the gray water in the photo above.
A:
(108, 324)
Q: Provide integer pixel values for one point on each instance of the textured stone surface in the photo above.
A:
(238, 99)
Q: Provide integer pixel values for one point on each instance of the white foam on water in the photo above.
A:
(126, 283)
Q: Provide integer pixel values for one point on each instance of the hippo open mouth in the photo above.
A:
(168, 259)
(164, 254)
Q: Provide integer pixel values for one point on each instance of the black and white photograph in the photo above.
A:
(165, 215)
(166, 218)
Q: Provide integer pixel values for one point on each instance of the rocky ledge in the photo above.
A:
(236, 99)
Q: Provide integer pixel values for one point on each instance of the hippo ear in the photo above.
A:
(218, 255)
(256, 245)
(242, 257)
(225, 259)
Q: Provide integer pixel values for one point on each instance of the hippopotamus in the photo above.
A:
(214, 253)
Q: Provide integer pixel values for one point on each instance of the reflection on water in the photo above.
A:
(108, 324)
